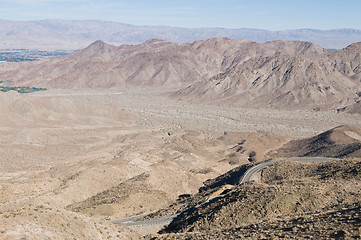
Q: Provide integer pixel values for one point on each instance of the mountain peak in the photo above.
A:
(98, 43)
(96, 47)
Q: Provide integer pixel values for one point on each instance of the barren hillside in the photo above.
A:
(306, 79)
(348, 61)
(354, 108)
(153, 63)
(278, 74)
(289, 200)
(38, 134)
(286, 195)
(68, 155)
(84, 164)
(110, 143)
(343, 141)
(286, 82)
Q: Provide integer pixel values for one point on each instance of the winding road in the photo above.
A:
(250, 173)
(248, 176)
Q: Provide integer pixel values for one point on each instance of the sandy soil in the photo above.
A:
(156, 110)
(70, 161)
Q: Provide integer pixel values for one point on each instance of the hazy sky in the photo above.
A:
(261, 14)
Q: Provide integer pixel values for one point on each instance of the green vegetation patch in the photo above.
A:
(21, 89)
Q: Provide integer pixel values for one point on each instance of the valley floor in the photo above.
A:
(66, 173)
(157, 110)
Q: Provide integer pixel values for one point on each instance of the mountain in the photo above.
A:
(348, 61)
(342, 141)
(276, 74)
(65, 34)
(307, 78)
(289, 82)
(153, 63)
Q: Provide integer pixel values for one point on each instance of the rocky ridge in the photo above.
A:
(287, 199)
(278, 74)
(285, 204)
(308, 79)
(342, 141)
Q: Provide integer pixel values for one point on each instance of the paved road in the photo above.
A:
(250, 173)
(248, 176)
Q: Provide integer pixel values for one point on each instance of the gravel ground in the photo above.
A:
(157, 110)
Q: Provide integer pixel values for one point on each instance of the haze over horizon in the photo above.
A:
(276, 15)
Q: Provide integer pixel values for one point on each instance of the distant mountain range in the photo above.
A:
(66, 34)
(276, 74)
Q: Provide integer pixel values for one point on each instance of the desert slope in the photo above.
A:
(277, 74)
(36, 135)
(286, 82)
(99, 161)
(291, 200)
(293, 194)
(354, 108)
(85, 164)
(37, 131)
(20, 110)
(348, 61)
(310, 78)
(341, 142)
(153, 63)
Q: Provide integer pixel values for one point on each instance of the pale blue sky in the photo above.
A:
(260, 14)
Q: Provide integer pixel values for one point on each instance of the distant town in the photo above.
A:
(19, 89)
(22, 55)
